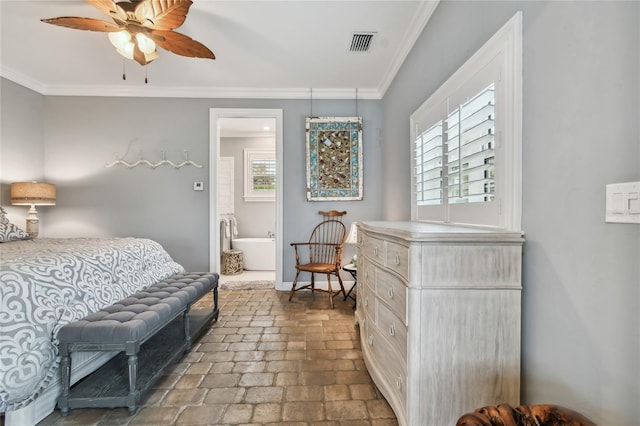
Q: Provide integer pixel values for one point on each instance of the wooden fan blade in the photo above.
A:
(88, 24)
(162, 15)
(181, 44)
(110, 8)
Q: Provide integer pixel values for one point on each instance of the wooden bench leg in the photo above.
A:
(133, 376)
(65, 373)
(187, 335)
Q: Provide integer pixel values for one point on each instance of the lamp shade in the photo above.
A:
(33, 193)
(352, 238)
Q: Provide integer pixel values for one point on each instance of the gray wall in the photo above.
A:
(255, 219)
(581, 299)
(82, 134)
(21, 147)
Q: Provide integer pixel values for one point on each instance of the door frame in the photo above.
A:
(215, 114)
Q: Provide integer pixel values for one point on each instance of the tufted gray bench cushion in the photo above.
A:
(140, 315)
(126, 325)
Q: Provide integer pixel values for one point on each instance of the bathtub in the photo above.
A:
(258, 254)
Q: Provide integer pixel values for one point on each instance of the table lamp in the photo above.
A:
(352, 238)
(33, 194)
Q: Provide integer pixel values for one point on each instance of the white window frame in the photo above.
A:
(500, 57)
(251, 154)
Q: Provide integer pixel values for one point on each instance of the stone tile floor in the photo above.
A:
(266, 361)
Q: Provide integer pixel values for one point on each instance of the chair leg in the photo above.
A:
(293, 286)
(330, 290)
(344, 293)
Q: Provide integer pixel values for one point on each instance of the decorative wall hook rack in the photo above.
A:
(164, 161)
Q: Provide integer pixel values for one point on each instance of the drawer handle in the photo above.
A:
(399, 382)
(375, 250)
(397, 259)
(370, 340)
(392, 330)
(390, 292)
(366, 274)
(366, 301)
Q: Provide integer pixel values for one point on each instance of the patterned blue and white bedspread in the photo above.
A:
(47, 283)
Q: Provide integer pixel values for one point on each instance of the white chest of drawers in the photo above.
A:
(439, 316)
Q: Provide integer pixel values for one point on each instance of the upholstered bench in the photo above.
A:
(127, 325)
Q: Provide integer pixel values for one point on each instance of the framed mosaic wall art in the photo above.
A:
(334, 158)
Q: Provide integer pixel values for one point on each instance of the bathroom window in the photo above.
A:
(466, 139)
(259, 175)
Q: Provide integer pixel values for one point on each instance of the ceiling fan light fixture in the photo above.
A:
(145, 44)
(120, 39)
(140, 26)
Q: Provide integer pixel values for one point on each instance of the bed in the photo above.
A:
(47, 283)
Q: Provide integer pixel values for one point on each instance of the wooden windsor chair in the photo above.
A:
(322, 254)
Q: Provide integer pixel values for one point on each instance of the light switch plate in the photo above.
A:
(623, 203)
(198, 186)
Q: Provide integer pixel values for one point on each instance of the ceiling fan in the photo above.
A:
(140, 26)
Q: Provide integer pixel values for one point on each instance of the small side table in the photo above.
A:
(353, 270)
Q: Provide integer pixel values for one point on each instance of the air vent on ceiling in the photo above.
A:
(361, 42)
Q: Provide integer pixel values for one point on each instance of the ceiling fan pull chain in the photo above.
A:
(146, 75)
(124, 72)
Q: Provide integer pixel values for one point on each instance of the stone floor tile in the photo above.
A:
(249, 346)
(238, 413)
(249, 367)
(167, 382)
(249, 356)
(263, 394)
(345, 410)
(184, 397)
(222, 367)
(251, 337)
(280, 366)
(318, 378)
(153, 397)
(116, 417)
(272, 346)
(189, 381)
(337, 393)
(363, 391)
(305, 393)
(312, 411)
(232, 395)
(257, 379)
(286, 378)
(353, 377)
(156, 416)
(380, 409)
(267, 413)
(233, 338)
(198, 368)
(220, 380)
(274, 355)
(201, 415)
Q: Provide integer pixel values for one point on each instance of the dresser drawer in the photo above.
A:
(373, 248)
(367, 274)
(395, 367)
(393, 292)
(367, 303)
(393, 329)
(397, 258)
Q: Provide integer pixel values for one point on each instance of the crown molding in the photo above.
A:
(414, 29)
(188, 92)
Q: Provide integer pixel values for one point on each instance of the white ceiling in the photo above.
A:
(263, 48)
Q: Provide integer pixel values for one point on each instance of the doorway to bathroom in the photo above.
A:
(245, 194)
